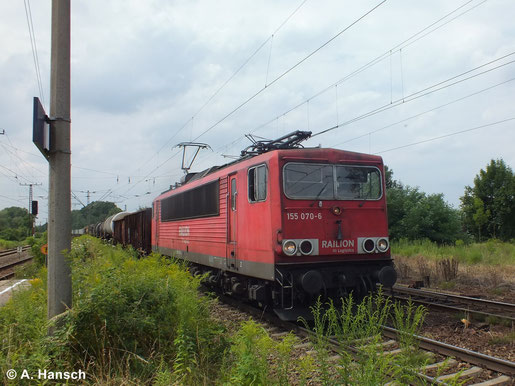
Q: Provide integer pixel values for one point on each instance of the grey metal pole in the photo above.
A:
(59, 203)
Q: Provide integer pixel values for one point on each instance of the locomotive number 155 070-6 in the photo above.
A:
(304, 216)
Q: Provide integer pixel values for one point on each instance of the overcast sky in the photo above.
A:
(146, 75)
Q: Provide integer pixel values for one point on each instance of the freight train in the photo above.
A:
(280, 226)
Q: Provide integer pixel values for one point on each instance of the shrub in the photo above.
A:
(136, 314)
(35, 249)
(133, 321)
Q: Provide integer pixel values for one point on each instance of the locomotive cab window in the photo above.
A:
(357, 183)
(331, 182)
(309, 181)
(233, 194)
(257, 183)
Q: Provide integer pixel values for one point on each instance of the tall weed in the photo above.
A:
(133, 321)
(256, 359)
(358, 329)
(23, 329)
(250, 349)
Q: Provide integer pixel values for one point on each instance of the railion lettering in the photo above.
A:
(337, 243)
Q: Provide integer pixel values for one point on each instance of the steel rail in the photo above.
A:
(6, 276)
(460, 303)
(13, 264)
(491, 363)
(13, 251)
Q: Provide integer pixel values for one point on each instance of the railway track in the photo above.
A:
(471, 367)
(11, 258)
(13, 251)
(451, 302)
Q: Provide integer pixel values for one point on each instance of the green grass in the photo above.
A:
(138, 321)
(8, 244)
(492, 252)
(506, 339)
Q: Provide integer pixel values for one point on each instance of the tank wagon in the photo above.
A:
(105, 228)
(282, 225)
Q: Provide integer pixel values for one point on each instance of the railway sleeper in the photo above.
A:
(387, 343)
(471, 372)
(501, 380)
(446, 363)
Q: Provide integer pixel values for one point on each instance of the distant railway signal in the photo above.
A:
(34, 208)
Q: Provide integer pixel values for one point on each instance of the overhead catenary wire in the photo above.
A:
(77, 198)
(211, 98)
(399, 45)
(22, 162)
(446, 135)
(406, 100)
(138, 189)
(16, 175)
(32, 35)
(387, 54)
(12, 199)
(421, 93)
(268, 86)
(425, 112)
(289, 70)
(432, 27)
(418, 94)
(243, 65)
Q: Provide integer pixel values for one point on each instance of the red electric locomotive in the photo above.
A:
(282, 225)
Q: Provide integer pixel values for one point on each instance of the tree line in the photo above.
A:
(16, 225)
(487, 209)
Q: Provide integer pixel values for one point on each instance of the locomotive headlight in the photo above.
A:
(289, 247)
(306, 247)
(382, 245)
(336, 210)
(369, 245)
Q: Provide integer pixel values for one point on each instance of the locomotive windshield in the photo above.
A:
(331, 182)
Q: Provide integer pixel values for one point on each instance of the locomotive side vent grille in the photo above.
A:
(202, 201)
